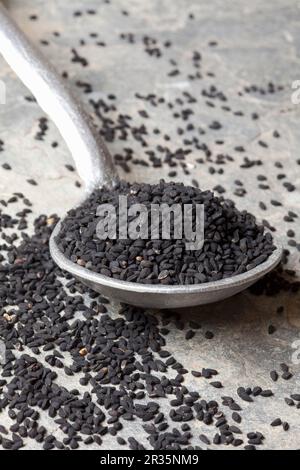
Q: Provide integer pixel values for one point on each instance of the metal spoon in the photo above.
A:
(94, 165)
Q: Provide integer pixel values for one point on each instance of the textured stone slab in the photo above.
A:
(257, 42)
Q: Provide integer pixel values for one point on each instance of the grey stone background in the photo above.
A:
(257, 42)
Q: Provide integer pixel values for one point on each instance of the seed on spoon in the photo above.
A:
(163, 275)
(233, 242)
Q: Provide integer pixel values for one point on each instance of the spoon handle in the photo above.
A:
(92, 159)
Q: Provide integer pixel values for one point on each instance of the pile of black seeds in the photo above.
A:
(123, 368)
(78, 374)
(234, 243)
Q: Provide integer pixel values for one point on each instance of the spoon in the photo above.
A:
(95, 166)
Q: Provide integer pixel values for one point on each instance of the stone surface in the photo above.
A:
(257, 42)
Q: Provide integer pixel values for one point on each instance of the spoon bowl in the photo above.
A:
(158, 296)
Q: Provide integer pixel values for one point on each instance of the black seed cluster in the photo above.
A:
(56, 331)
(234, 243)
(121, 362)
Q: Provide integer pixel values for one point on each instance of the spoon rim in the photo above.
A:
(212, 286)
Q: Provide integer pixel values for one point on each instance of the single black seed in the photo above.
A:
(271, 329)
(266, 393)
(274, 375)
(204, 439)
(189, 334)
(237, 442)
(121, 441)
(289, 402)
(256, 391)
(196, 373)
(236, 417)
(32, 182)
(276, 422)
(295, 396)
(6, 166)
(287, 375)
(216, 384)
(209, 335)
(285, 426)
